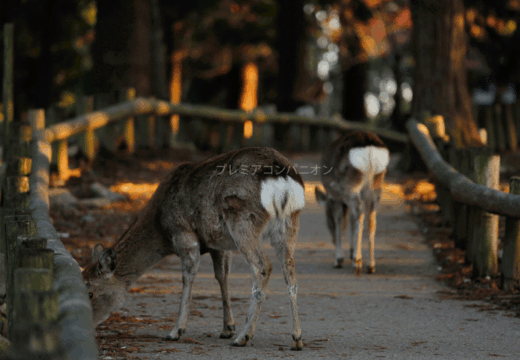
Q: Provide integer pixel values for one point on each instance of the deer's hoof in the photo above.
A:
(358, 265)
(228, 332)
(241, 340)
(338, 264)
(297, 343)
(174, 336)
(371, 269)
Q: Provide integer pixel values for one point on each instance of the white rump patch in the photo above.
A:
(362, 157)
(282, 196)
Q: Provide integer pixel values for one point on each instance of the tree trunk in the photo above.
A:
(397, 119)
(160, 88)
(290, 32)
(122, 48)
(440, 84)
(355, 80)
(45, 62)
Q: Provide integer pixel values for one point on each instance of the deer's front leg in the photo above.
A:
(372, 234)
(189, 253)
(357, 217)
(222, 267)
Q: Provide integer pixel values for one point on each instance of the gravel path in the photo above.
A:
(395, 313)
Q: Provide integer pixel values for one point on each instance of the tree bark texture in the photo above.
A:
(440, 79)
(355, 81)
(290, 32)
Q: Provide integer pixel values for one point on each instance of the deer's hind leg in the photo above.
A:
(246, 233)
(336, 221)
(283, 235)
(189, 251)
(222, 267)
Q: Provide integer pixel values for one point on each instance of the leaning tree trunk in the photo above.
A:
(440, 86)
(122, 48)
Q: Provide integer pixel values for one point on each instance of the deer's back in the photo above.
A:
(196, 197)
(356, 160)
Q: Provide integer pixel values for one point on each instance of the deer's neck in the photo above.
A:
(142, 246)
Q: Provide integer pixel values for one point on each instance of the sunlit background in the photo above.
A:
(353, 59)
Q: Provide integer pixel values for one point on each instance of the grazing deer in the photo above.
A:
(357, 163)
(229, 202)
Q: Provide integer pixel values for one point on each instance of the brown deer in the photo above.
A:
(354, 170)
(229, 202)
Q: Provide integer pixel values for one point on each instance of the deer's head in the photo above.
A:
(106, 292)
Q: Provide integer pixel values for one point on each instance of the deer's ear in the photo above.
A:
(107, 262)
(96, 252)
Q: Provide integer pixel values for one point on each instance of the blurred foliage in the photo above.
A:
(225, 32)
(494, 33)
(52, 40)
(362, 28)
(214, 35)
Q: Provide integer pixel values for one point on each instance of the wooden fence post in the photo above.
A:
(88, 142)
(516, 118)
(36, 308)
(257, 136)
(14, 227)
(485, 234)
(510, 127)
(437, 129)
(490, 128)
(225, 136)
(500, 131)
(7, 99)
(238, 135)
(107, 135)
(511, 250)
(152, 119)
(267, 138)
(129, 131)
(31, 253)
(60, 149)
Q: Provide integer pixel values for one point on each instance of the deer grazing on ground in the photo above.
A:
(229, 202)
(357, 163)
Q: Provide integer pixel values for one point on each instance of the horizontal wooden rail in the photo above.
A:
(75, 312)
(462, 189)
(143, 106)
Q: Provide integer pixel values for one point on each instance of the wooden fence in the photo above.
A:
(48, 310)
(502, 124)
(467, 185)
(148, 122)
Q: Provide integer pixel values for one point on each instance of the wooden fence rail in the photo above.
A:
(467, 190)
(231, 123)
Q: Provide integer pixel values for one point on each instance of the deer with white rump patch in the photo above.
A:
(217, 207)
(358, 162)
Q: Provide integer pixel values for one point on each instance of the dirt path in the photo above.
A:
(395, 313)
